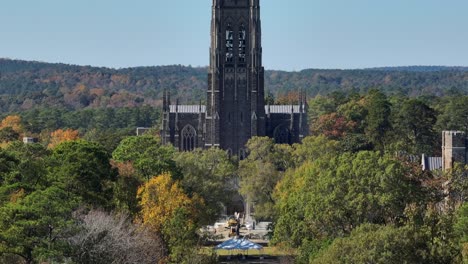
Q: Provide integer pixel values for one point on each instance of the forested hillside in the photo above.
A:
(29, 85)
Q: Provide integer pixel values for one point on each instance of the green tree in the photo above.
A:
(374, 244)
(355, 110)
(462, 223)
(313, 148)
(355, 143)
(34, 227)
(83, 168)
(329, 197)
(415, 127)
(260, 172)
(109, 138)
(8, 163)
(8, 134)
(454, 114)
(125, 191)
(378, 118)
(318, 106)
(461, 228)
(147, 155)
(210, 174)
(31, 171)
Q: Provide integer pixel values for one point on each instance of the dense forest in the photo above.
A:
(30, 85)
(89, 191)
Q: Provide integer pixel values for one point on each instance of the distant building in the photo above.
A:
(454, 149)
(431, 163)
(235, 109)
(142, 130)
(30, 140)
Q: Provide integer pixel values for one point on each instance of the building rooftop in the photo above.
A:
(269, 109)
(188, 109)
(283, 109)
(431, 163)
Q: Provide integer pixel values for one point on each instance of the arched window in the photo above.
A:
(242, 43)
(189, 138)
(282, 135)
(229, 152)
(229, 44)
(242, 154)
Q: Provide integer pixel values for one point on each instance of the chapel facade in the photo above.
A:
(235, 109)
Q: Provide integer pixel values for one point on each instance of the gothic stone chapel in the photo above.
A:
(235, 109)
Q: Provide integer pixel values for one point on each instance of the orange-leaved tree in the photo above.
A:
(13, 121)
(333, 126)
(60, 135)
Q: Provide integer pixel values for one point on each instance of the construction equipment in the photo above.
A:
(233, 224)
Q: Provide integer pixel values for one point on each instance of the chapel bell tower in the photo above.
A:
(235, 109)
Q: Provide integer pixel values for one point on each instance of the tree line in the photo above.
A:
(29, 85)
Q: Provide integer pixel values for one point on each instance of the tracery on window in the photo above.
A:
(229, 44)
(189, 138)
(242, 43)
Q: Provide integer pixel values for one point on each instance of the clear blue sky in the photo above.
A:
(297, 34)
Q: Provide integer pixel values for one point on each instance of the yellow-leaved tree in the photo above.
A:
(60, 135)
(10, 130)
(160, 198)
(13, 121)
(168, 211)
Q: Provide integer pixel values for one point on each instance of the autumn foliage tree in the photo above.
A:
(13, 121)
(10, 128)
(169, 212)
(334, 126)
(61, 135)
(160, 197)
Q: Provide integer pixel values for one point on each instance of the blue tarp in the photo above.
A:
(238, 244)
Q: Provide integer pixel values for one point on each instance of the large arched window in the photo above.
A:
(242, 43)
(229, 44)
(189, 138)
(282, 135)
